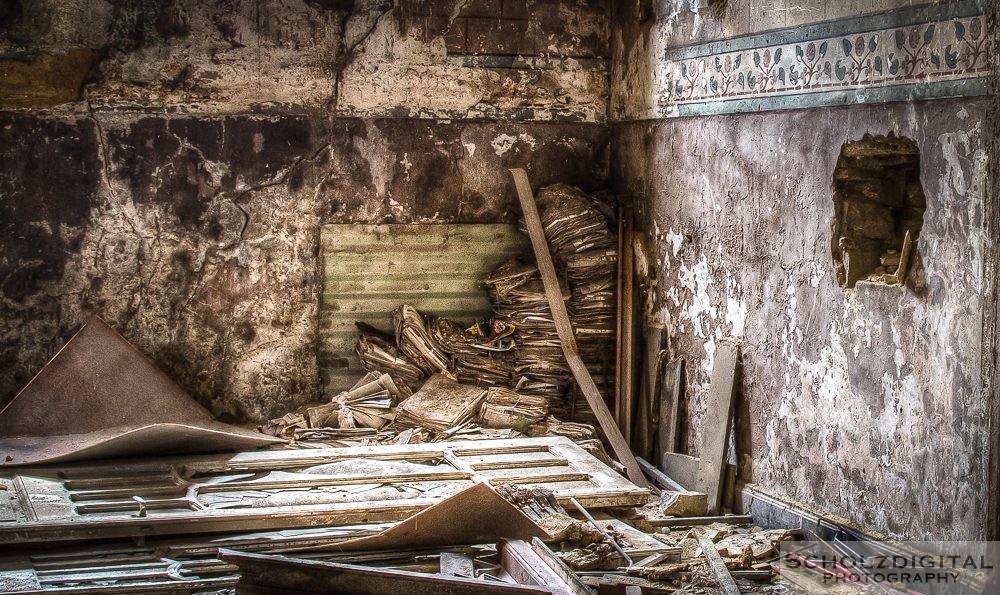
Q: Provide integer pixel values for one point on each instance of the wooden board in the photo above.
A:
(647, 411)
(683, 469)
(281, 574)
(625, 379)
(675, 499)
(726, 583)
(564, 328)
(528, 568)
(291, 488)
(718, 415)
(672, 389)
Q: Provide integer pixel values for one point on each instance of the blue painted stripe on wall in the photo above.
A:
(804, 33)
(911, 92)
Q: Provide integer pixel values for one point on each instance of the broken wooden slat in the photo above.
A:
(280, 574)
(718, 566)
(564, 572)
(527, 568)
(718, 415)
(661, 479)
(565, 330)
(672, 389)
(694, 521)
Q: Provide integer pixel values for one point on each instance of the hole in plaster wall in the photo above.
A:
(878, 209)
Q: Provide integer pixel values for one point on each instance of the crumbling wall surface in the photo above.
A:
(991, 313)
(867, 403)
(863, 402)
(198, 237)
(168, 165)
(506, 59)
(542, 59)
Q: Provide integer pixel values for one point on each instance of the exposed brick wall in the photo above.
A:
(509, 27)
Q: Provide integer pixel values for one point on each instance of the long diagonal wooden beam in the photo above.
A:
(565, 329)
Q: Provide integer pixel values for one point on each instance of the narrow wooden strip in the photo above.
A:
(718, 415)
(718, 566)
(694, 521)
(670, 397)
(626, 386)
(660, 478)
(565, 330)
(559, 567)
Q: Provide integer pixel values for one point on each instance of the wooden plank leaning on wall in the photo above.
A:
(564, 327)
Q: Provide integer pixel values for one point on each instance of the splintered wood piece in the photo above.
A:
(528, 568)
(718, 566)
(718, 415)
(564, 572)
(671, 392)
(904, 260)
(564, 328)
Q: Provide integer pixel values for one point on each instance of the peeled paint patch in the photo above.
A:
(700, 310)
(736, 309)
(503, 143)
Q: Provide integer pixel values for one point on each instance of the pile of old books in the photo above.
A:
(481, 354)
(441, 404)
(504, 408)
(518, 296)
(415, 341)
(584, 246)
(505, 372)
(368, 404)
(377, 354)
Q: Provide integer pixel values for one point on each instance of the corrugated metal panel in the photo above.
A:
(369, 270)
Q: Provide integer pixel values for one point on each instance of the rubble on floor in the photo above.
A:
(461, 462)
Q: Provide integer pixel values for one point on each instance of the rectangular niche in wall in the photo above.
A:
(878, 209)
(369, 270)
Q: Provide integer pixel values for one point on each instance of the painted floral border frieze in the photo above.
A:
(951, 50)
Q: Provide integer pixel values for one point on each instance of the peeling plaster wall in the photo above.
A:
(865, 403)
(493, 59)
(168, 165)
(198, 237)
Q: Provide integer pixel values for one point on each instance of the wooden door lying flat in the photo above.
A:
(290, 488)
